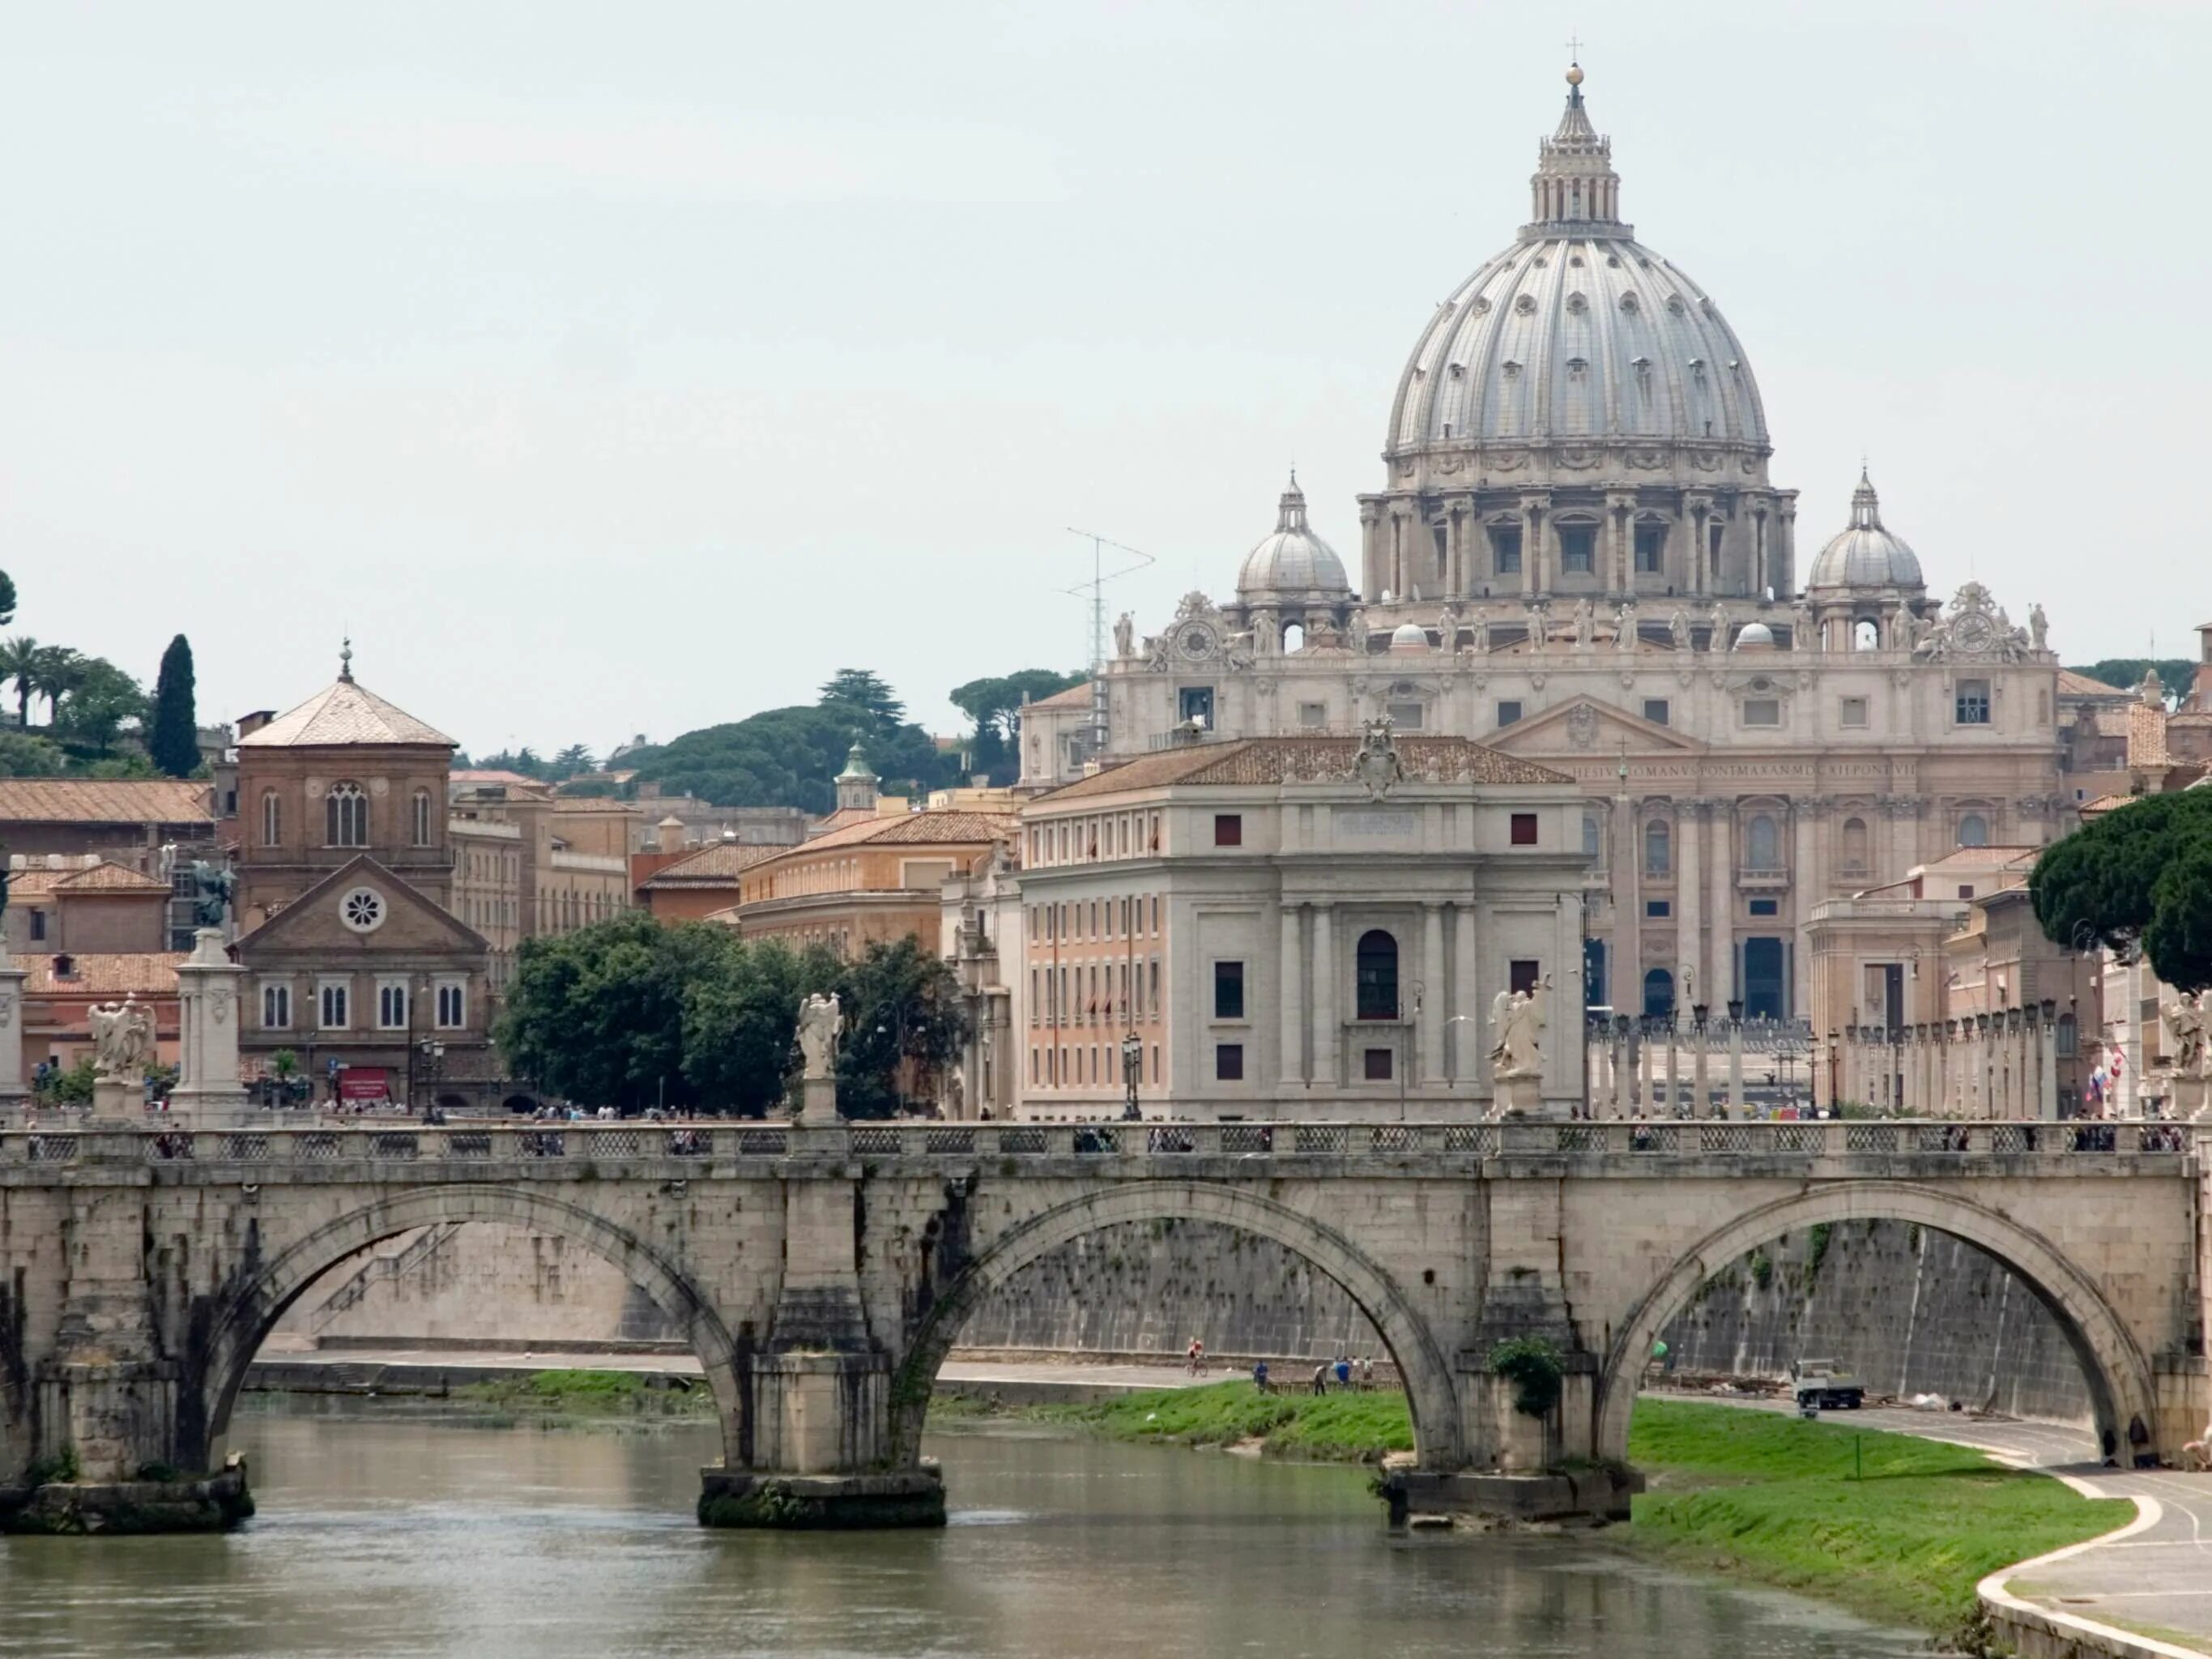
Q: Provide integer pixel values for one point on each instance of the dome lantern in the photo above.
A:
(1866, 553)
(1293, 564)
(1575, 188)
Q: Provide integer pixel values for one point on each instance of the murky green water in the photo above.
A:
(379, 1535)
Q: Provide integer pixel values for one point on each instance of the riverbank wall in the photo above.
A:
(1911, 1311)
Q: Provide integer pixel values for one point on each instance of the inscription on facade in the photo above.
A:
(1370, 823)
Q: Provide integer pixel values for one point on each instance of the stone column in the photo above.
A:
(1435, 1007)
(1850, 1087)
(1532, 544)
(1467, 1044)
(1628, 966)
(1735, 1069)
(14, 1091)
(1290, 1001)
(1808, 886)
(1717, 983)
(1689, 902)
(1324, 996)
(2046, 1037)
(210, 998)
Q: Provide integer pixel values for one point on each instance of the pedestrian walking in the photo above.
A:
(1321, 1377)
(1343, 1373)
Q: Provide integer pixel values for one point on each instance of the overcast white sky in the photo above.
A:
(617, 368)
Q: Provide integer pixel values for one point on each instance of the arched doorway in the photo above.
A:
(1376, 976)
(1658, 993)
(237, 1326)
(1431, 1395)
(2113, 1363)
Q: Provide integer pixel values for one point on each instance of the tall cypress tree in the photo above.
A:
(173, 738)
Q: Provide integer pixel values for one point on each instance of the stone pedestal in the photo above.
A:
(118, 1102)
(1518, 1097)
(818, 1100)
(209, 1005)
(14, 1091)
(2191, 1098)
(822, 1503)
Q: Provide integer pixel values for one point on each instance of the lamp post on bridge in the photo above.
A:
(1735, 1058)
(1132, 1062)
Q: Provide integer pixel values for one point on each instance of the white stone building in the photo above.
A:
(1578, 558)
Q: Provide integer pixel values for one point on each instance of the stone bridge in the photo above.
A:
(822, 1273)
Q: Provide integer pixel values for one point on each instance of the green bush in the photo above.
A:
(1531, 1363)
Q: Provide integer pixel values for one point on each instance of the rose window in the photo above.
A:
(362, 910)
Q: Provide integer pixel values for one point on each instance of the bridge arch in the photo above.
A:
(2112, 1360)
(236, 1326)
(1434, 1400)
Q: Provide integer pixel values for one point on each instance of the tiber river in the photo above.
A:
(383, 1535)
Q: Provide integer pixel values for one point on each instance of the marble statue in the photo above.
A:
(1717, 640)
(1905, 632)
(1517, 1018)
(1125, 635)
(1267, 638)
(2038, 627)
(1447, 629)
(2185, 1019)
(122, 1040)
(1356, 632)
(1679, 626)
(820, 1020)
(1585, 625)
(1478, 631)
(1624, 627)
(1804, 635)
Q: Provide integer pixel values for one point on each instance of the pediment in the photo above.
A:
(318, 921)
(1586, 727)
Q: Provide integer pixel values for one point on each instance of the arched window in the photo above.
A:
(346, 816)
(1658, 847)
(1658, 994)
(1591, 843)
(1294, 637)
(421, 818)
(1762, 844)
(1854, 844)
(1865, 635)
(272, 820)
(1973, 831)
(1377, 964)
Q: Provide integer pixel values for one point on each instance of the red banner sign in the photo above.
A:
(365, 1083)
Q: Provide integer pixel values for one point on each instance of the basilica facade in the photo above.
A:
(1578, 557)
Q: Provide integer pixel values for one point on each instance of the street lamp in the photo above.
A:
(1132, 1061)
(434, 1057)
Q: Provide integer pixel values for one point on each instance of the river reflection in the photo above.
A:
(389, 1536)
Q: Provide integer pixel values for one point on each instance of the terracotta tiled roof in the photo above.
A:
(948, 826)
(65, 800)
(2146, 735)
(1076, 697)
(343, 712)
(106, 973)
(843, 816)
(592, 804)
(2112, 719)
(107, 877)
(2071, 685)
(1305, 760)
(715, 864)
(494, 775)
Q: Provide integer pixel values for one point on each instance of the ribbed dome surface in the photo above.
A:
(1577, 337)
(1866, 554)
(1293, 562)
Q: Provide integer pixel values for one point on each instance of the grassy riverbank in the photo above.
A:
(1893, 1527)
(1345, 1427)
(552, 1396)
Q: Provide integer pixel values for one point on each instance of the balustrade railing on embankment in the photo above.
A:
(2023, 1147)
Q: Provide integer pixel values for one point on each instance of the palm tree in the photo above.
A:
(18, 661)
(55, 676)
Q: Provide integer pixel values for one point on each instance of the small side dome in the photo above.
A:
(1293, 563)
(1754, 636)
(1409, 636)
(1866, 554)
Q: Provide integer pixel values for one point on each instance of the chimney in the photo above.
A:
(669, 833)
(249, 724)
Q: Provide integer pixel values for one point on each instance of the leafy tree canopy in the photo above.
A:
(2140, 877)
(173, 740)
(22, 756)
(993, 704)
(2125, 673)
(100, 701)
(7, 597)
(867, 696)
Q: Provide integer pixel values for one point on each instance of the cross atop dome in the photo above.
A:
(1575, 184)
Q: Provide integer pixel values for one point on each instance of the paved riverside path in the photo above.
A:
(2157, 1580)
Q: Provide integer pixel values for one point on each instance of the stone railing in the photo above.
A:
(455, 1146)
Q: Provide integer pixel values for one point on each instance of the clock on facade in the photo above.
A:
(1197, 640)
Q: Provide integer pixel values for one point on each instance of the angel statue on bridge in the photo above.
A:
(1517, 1018)
(820, 1020)
(2185, 1019)
(122, 1040)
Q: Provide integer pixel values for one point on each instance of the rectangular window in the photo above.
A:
(1524, 977)
(1194, 706)
(1508, 712)
(1655, 710)
(1762, 711)
(1972, 708)
(1035, 1011)
(1377, 1065)
(1766, 907)
(1229, 990)
(1312, 715)
(391, 1007)
(1577, 549)
(276, 1008)
(1659, 908)
(1855, 711)
(452, 1006)
(1506, 548)
(333, 996)
(1228, 1062)
(38, 924)
(1228, 830)
(1524, 829)
(1650, 548)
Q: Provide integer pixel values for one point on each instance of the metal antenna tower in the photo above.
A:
(1095, 589)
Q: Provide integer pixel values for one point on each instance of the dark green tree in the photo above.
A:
(867, 696)
(21, 660)
(6, 599)
(2139, 878)
(2125, 673)
(54, 675)
(738, 1026)
(994, 704)
(22, 756)
(102, 699)
(904, 1024)
(173, 740)
(573, 760)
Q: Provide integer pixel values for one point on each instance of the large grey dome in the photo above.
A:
(1293, 563)
(1866, 554)
(1577, 330)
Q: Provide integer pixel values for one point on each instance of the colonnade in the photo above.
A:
(1636, 1067)
(1999, 1065)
